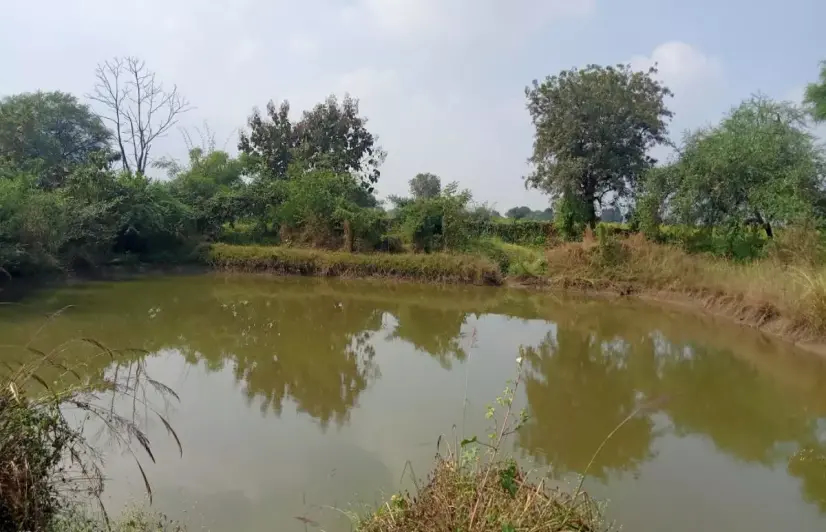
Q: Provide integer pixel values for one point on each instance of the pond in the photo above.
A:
(301, 399)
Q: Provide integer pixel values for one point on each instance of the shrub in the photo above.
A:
(316, 206)
(439, 223)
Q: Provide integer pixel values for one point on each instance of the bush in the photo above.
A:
(438, 223)
(319, 207)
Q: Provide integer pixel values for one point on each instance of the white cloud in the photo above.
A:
(425, 71)
(462, 20)
(681, 66)
(303, 45)
(697, 80)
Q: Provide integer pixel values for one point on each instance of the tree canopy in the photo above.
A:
(594, 127)
(815, 96)
(330, 136)
(425, 185)
(50, 134)
(760, 165)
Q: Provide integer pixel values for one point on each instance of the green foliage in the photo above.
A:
(517, 213)
(815, 96)
(317, 206)
(513, 259)
(32, 443)
(657, 184)
(759, 166)
(425, 186)
(330, 136)
(523, 232)
(95, 215)
(594, 128)
(525, 213)
(570, 215)
(211, 186)
(439, 223)
(49, 134)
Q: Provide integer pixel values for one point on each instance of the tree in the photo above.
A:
(760, 165)
(211, 185)
(517, 213)
(815, 96)
(331, 136)
(138, 107)
(50, 134)
(594, 128)
(268, 148)
(426, 185)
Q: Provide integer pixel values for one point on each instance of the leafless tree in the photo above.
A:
(138, 107)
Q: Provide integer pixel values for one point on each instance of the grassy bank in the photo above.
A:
(786, 299)
(494, 498)
(436, 267)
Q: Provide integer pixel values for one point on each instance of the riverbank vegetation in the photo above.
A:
(50, 471)
(736, 203)
(733, 219)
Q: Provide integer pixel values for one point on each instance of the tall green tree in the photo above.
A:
(50, 134)
(759, 165)
(594, 128)
(517, 213)
(330, 136)
(815, 96)
(425, 186)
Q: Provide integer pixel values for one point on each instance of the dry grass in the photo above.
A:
(435, 267)
(492, 498)
(469, 491)
(789, 299)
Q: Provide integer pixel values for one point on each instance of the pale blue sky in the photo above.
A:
(441, 80)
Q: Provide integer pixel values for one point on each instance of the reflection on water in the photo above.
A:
(298, 395)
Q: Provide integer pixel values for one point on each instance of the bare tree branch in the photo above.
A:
(138, 107)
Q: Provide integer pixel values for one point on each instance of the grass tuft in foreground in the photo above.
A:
(473, 488)
(494, 498)
(435, 267)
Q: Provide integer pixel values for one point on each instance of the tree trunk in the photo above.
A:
(766, 225)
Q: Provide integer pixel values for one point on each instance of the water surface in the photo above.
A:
(298, 396)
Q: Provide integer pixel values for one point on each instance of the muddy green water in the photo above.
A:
(302, 395)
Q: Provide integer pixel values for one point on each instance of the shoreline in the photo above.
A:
(434, 269)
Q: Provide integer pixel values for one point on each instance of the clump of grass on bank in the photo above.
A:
(479, 491)
(494, 498)
(436, 267)
(792, 297)
(513, 259)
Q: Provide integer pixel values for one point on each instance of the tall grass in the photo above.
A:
(788, 297)
(47, 465)
(436, 267)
